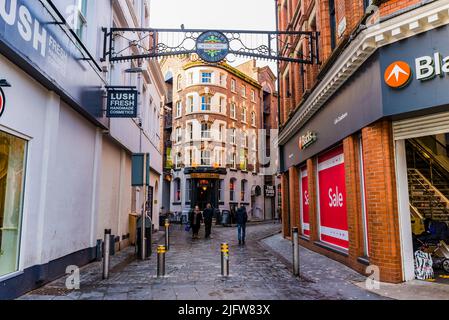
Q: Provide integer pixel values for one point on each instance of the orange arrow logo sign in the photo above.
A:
(397, 74)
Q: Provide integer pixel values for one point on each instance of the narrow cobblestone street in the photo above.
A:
(193, 272)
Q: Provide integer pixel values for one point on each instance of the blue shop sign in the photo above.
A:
(32, 39)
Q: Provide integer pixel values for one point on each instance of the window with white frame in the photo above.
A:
(178, 160)
(221, 106)
(222, 80)
(254, 142)
(205, 103)
(205, 130)
(233, 85)
(191, 157)
(243, 91)
(178, 109)
(205, 157)
(206, 77)
(234, 160)
(190, 104)
(179, 83)
(190, 131)
(253, 119)
(233, 110)
(178, 135)
(81, 19)
(233, 136)
(253, 95)
(190, 78)
(218, 154)
(244, 114)
(244, 162)
(245, 140)
(221, 130)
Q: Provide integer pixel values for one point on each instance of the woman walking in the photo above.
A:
(195, 222)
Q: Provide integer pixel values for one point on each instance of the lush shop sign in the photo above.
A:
(122, 103)
(332, 199)
(305, 203)
(32, 38)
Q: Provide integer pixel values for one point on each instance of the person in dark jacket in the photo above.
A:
(208, 214)
(241, 218)
(195, 221)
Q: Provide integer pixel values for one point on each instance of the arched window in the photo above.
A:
(232, 189)
(233, 111)
(244, 114)
(244, 185)
(177, 190)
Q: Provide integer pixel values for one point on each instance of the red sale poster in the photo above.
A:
(305, 222)
(332, 198)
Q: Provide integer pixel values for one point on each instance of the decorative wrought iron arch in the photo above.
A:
(125, 44)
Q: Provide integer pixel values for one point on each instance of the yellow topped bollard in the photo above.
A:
(161, 261)
(225, 259)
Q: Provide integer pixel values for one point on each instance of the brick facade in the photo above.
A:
(379, 212)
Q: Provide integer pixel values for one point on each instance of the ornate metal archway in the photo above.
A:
(125, 44)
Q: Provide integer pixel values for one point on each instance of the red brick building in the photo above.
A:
(364, 135)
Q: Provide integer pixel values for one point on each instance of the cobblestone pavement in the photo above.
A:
(193, 273)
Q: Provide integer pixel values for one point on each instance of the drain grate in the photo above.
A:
(51, 291)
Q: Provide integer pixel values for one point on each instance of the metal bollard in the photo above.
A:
(167, 234)
(106, 253)
(161, 261)
(295, 245)
(224, 259)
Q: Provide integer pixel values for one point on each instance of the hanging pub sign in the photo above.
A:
(212, 46)
(307, 140)
(2, 102)
(122, 103)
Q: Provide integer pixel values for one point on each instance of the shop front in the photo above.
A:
(367, 175)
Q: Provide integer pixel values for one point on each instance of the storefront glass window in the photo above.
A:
(12, 174)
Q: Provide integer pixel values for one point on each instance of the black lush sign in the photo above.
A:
(122, 104)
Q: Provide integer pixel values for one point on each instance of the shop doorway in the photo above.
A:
(205, 191)
(427, 160)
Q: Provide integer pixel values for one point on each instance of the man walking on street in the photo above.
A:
(208, 214)
(241, 219)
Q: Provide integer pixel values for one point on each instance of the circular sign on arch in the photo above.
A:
(212, 46)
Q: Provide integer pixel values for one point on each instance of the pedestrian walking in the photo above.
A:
(195, 221)
(208, 214)
(241, 218)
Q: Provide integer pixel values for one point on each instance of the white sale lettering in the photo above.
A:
(335, 198)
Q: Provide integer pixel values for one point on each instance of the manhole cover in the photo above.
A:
(51, 291)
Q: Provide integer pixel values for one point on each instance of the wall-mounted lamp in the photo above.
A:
(4, 83)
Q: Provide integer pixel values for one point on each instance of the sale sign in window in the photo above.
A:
(305, 203)
(332, 198)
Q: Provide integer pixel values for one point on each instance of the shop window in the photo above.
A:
(188, 189)
(12, 174)
(232, 189)
(305, 202)
(177, 190)
(221, 190)
(244, 185)
(332, 199)
(363, 200)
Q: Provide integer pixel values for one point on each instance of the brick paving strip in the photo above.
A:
(258, 271)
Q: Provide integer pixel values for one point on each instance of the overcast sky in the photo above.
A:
(215, 14)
